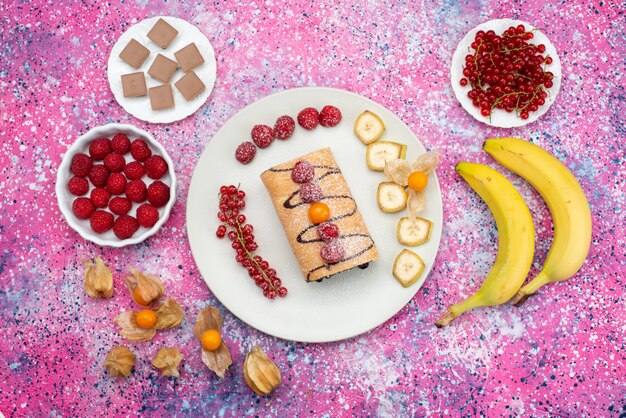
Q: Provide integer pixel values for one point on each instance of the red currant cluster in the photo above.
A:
(231, 203)
(506, 72)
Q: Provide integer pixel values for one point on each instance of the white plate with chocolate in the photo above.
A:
(162, 69)
(327, 300)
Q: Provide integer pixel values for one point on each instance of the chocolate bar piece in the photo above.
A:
(162, 33)
(163, 68)
(190, 85)
(189, 57)
(302, 234)
(134, 53)
(161, 97)
(134, 84)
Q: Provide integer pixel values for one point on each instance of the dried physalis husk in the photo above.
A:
(169, 314)
(167, 360)
(98, 279)
(119, 361)
(260, 372)
(130, 329)
(144, 288)
(219, 359)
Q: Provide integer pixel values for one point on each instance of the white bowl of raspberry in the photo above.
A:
(116, 185)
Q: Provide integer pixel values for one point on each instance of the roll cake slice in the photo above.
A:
(358, 245)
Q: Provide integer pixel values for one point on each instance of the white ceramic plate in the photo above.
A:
(499, 117)
(344, 305)
(65, 198)
(140, 107)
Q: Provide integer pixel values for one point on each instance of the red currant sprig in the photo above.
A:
(506, 72)
(232, 201)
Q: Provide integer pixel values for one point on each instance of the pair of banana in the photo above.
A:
(570, 213)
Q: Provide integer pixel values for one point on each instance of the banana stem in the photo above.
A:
(530, 289)
(455, 310)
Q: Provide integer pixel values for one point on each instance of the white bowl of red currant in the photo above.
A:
(506, 73)
(116, 185)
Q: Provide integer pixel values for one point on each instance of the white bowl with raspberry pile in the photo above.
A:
(65, 198)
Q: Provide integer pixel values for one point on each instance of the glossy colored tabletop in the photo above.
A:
(561, 354)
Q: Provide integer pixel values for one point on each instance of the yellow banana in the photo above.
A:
(567, 203)
(516, 245)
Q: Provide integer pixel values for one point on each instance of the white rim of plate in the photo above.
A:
(64, 167)
(183, 108)
(499, 117)
(417, 286)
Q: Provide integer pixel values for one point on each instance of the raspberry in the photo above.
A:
(134, 170)
(101, 221)
(78, 186)
(136, 191)
(308, 118)
(100, 148)
(327, 231)
(100, 197)
(330, 116)
(284, 127)
(311, 192)
(333, 252)
(81, 164)
(82, 207)
(303, 172)
(155, 167)
(114, 162)
(262, 135)
(158, 193)
(116, 184)
(120, 205)
(125, 226)
(98, 175)
(245, 152)
(139, 150)
(147, 215)
(120, 144)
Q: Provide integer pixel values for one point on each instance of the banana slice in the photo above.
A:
(391, 197)
(368, 127)
(408, 267)
(378, 153)
(415, 232)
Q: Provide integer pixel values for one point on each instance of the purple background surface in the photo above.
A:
(561, 354)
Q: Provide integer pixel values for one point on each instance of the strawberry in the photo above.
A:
(134, 170)
(120, 205)
(82, 207)
(158, 194)
(120, 144)
(140, 150)
(101, 221)
(147, 215)
(116, 184)
(125, 226)
(100, 148)
(155, 167)
(114, 162)
(81, 164)
(98, 175)
(78, 186)
(136, 191)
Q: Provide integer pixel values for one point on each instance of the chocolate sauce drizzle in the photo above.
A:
(288, 204)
